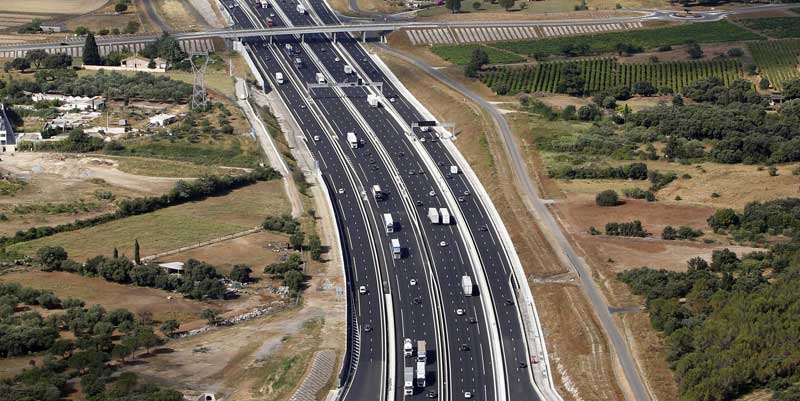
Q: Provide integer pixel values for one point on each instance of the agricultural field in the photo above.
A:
(460, 55)
(711, 32)
(776, 27)
(604, 73)
(777, 60)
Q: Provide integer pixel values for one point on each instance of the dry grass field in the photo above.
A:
(51, 6)
(172, 227)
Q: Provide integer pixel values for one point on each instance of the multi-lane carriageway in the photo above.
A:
(460, 354)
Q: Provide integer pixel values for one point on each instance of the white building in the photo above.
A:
(72, 103)
(143, 63)
(162, 120)
(8, 142)
(172, 267)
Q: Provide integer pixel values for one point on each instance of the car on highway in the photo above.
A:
(466, 193)
(522, 365)
(483, 228)
(419, 203)
(467, 394)
(411, 172)
(463, 347)
(341, 190)
(431, 394)
(460, 312)
(443, 243)
(412, 282)
(362, 289)
(367, 328)
(461, 199)
(432, 193)
(272, 15)
(316, 137)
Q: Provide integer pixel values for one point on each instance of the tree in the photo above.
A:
(19, 64)
(608, 197)
(136, 257)
(296, 239)
(57, 61)
(764, 83)
(476, 5)
(115, 254)
(132, 27)
(677, 101)
(669, 233)
(168, 327)
(50, 257)
(588, 112)
(506, 4)
(211, 315)
(572, 81)
(241, 273)
(643, 88)
(146, 338)
(91, 55)
(36, 57)
(315, 247)
(294, 280)
(121, 351)
(121, 7)
(453, 5)
(693, 49)
(568, 112)
(791, 89)
(722, 219)
(81, 30)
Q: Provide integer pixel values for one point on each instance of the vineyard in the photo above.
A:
(777, 27)
(603, 73)
(777, 60)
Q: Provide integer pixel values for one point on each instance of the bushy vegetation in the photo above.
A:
(775, 217)
(290, 272)
(638, 193)
(608, 197)
(626, 229)
(114, 85)
(461, 55)
(182, 192)
(683, 232)
(284, 223)
(734, 118)
(99, 337)
(599, 74)
(633, 171)
(730, 324)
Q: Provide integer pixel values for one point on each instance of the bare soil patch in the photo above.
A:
(577, 348)
(180, 15)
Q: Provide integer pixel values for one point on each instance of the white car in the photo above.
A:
(467, 394)
(316, 137)
(443, 243)
(432, 193)
(362, 290)
(337, 59)
(422, 139)
(272, 15)
(413, 282)
(341, 190)
(460, 312)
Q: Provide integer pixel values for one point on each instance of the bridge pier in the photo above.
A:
(363, 36)
(302, 38)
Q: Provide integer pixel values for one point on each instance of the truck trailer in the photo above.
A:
(445, 215)
(377, 193)
(388, 223)
(352, 140)
(301, 9)
(408, 347)
(348, 69)
(422, 351)
(264, 3)
(433, 215)
(408, 380)
(466, 285)
(321, 78)
(373, 100)
(420, 374)
(397, 251)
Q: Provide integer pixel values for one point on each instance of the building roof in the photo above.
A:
(172, 265)
(163, 117)
(136, 57)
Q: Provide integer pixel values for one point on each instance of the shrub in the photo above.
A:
(608, 197)
(628, 229)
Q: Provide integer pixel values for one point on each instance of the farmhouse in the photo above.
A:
(162, 120)
(143, 63)
(8, 142)
(72, 103)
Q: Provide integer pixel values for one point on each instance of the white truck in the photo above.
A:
(420, 374)
(388, 223)
(445, 215)
(397, 251)
(352, 140)
(373, 100)
(279, 78)
(422, 351)
(466, 285)
(289, 49)
(408, 347)
(377, 193)
(348, 69)
(321, 78)
(453, 169)
(408, 380)
(264, 3)
(433, 215)
(301, 9)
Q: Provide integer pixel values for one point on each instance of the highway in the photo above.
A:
(474, 372)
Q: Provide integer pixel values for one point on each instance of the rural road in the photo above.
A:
(538, 209)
